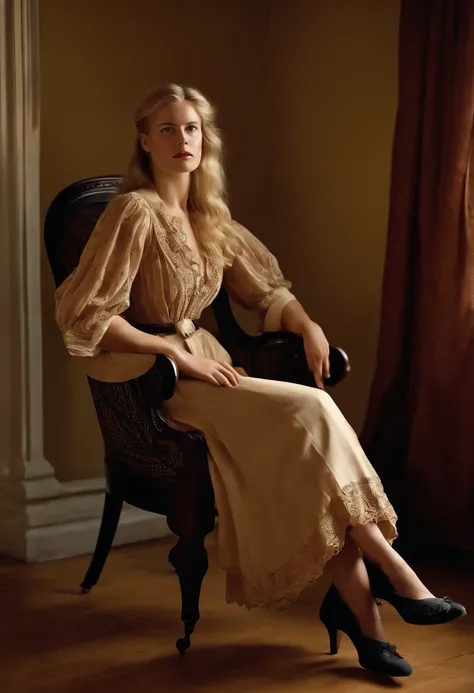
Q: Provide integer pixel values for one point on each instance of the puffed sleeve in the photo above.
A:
(99, 287)
(255, 281)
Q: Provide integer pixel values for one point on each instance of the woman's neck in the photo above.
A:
(174, 191)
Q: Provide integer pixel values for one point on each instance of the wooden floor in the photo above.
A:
(121, 636)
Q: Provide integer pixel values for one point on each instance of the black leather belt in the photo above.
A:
(158, 328)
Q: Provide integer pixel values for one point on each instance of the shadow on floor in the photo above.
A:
(226, 665)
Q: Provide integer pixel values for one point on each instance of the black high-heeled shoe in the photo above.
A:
(374, 655)
(419, 612)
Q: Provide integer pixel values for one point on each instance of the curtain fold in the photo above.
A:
(419, 429)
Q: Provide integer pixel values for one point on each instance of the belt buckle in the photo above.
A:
(185, 328)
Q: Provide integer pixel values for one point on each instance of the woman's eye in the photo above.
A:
(166, 130)
(191, 128)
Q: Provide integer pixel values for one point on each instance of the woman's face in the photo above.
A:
(174, 139)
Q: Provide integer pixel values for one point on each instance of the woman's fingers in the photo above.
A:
(219, 379)
(319, 379)
(327, 367)
(230, 368)
(214, 381)
(231, 374)
(317, 367)
(226, 378)
(223, 375)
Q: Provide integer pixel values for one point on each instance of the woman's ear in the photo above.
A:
(144, 142)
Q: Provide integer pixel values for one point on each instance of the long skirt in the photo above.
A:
(289, 477)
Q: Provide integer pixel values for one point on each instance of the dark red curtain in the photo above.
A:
(419, 430)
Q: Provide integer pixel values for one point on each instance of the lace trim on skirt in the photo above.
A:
(357, 503)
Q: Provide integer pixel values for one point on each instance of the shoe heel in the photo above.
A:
(334, 640)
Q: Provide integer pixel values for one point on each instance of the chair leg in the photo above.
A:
(189, 558)
(192, 518)
(108, 527)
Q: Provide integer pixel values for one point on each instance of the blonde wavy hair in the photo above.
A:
(207, 208)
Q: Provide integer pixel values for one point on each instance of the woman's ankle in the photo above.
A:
(370, 622)
(364, 609)
(403, 578)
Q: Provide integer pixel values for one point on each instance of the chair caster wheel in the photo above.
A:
(183, 644)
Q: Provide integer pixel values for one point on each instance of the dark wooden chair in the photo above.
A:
(149, 463)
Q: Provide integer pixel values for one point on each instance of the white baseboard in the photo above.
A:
(51, 521)
(79, 537)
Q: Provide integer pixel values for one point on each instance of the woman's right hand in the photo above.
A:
(217, 373)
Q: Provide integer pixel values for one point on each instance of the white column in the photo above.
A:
(40, 518)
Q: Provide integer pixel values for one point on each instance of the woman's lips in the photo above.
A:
(183, 155)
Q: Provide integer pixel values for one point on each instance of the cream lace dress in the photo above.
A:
(287, 469)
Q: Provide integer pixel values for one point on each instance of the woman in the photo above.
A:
(293, 488)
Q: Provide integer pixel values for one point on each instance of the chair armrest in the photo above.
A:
(159, 383)
(281, 356)
(156, 386)
(272, 355)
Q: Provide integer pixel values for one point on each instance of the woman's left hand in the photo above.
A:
(316, 348)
